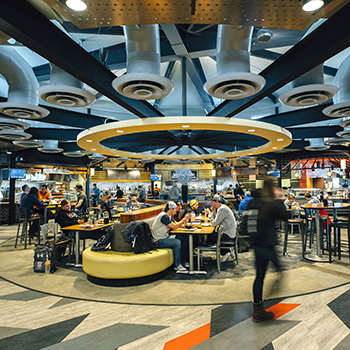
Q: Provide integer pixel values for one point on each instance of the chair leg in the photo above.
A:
(301, 228)
(285, 242)
(236, 249)
(198, 259)
(18, 229)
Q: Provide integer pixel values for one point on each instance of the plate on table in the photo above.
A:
(196, 222)
(206, 225)
(198, 218)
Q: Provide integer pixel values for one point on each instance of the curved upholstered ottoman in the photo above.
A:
(126, 268)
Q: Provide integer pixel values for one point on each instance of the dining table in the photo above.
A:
(318, 257)
(83, 228)
(200, 229)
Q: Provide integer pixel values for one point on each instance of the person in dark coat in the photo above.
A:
(269, 208)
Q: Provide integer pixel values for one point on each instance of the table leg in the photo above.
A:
(45, 214)
(191, 270)
(77, 246)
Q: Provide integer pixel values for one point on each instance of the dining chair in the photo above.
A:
(294, 220)
(210, 251)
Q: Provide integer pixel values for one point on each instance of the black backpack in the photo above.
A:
(103, 242)
(143, 238)
(43, 253)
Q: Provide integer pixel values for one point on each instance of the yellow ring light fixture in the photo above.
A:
(277, 137)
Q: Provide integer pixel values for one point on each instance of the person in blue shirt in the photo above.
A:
(25, 189)
(142, 192)
(95, 194)
(30, 201)
(243, 206)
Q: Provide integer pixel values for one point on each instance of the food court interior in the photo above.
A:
(199, 94)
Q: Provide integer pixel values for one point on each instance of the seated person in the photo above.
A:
(290, 202)
(141, 203)
(237, 201)
(81, 205)
(129, 205)
(221, 215)
(191, 208)
(243, 205)
(31, 202)
(65, 217)
(105, 205)
(161, 228)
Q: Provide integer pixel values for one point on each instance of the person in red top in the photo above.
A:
(44, 195)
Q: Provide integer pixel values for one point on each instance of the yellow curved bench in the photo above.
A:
(114, 265)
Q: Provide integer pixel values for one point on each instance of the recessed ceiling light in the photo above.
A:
(119, 131)
(76, 5)
(312, 5)
(88, 140)
(250, 154)
(93, 149)
(185, 126)
(251, 130)
(279, 139)
(274, 147)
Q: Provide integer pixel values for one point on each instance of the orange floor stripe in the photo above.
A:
(281, 309)
(189, 339)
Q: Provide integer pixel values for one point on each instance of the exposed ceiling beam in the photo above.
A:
(35, 31)
(324, 42)
(181, 50)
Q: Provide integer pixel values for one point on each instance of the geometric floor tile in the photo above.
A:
(344, 344)
(108, 338)
(340, 306)
(63, 301)
(36, 339)
(9, 331)
(26, 295)
(248, 335)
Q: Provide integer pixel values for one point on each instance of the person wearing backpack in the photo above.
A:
(269, 208)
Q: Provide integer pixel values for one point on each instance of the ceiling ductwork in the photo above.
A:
(50, 146)
(22, 102)
(338, 142)
(97, 157)
(143, 80)
(309, 89)
(74, 154)
(14, 135)
(12, 124)
(317, 145)
(341, 101)
(345, 123)
(344, 133)
(64, 90)
(234, 80)
(28, 143)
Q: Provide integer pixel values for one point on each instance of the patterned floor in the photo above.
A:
(33, 320)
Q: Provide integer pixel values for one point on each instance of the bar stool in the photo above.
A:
(337, 226)
(295, 220)
(25, 221)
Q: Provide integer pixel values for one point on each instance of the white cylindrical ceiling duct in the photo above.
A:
(28, 143)
(50, 146)
(22, 102)
(316, 145)
(143, 80)
(341, 101)
(309, 89)
(234, 80)
(64, 89)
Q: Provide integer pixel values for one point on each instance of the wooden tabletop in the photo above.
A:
(204, 230)
(80, 227)
(317, 206)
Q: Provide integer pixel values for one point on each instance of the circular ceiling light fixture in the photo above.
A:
(76, 5)
(312, 5)
(266, 131)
